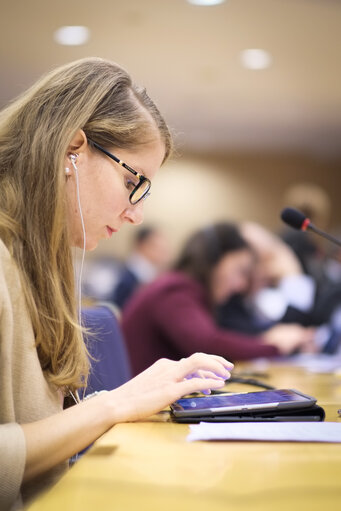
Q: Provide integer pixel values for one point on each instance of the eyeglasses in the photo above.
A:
(142, 189)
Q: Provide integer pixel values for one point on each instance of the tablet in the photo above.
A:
(241, 402)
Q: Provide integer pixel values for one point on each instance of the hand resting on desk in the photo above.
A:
(291, 337)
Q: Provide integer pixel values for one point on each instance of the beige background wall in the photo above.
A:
(192, 191)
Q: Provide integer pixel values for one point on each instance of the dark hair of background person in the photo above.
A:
(205, 248)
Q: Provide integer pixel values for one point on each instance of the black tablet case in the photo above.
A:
(314, 413)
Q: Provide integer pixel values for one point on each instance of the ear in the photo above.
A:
(79, 142)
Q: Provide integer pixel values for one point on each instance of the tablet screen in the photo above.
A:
(240, 400)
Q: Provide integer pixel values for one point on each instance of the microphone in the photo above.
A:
(296, 219)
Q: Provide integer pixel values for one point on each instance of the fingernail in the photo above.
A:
(223, 376)
(221, 382)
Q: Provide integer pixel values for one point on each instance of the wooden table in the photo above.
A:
(150, 466)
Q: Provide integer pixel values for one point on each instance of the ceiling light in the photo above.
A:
(72, 35)
(255, 59)
(205, 2)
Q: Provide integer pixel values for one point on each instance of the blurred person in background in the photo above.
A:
(315, 204)
(278, 289)
(318, 258)
(332, 264)
(280, 292)
(175, 315)
(149, 257)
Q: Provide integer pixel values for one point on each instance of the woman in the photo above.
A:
(174, 316)
(62, 186)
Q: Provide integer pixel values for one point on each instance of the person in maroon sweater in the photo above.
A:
(174, 316)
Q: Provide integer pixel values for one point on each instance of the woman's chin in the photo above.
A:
(89, 245)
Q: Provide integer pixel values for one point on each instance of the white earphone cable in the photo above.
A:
(79, 277)
(79, 280)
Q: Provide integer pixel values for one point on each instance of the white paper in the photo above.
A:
(317, 363)
(267, 431)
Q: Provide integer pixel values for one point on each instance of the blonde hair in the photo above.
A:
(99, 97)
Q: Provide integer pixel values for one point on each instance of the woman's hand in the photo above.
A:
(165, 382)
(291, 337)
(51, 440)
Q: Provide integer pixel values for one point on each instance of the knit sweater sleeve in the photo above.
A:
(189, 325)
(25, 395)
(12, 465)
(12, 439)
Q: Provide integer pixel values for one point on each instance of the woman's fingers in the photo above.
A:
(201, 361)
(199, 384)
(226, 363)
(208, 376)
(203, 374)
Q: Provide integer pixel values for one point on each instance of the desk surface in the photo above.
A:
(150, 466)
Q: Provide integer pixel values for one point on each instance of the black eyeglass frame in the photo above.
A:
(142, 179)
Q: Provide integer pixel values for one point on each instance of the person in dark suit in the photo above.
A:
(149, 257)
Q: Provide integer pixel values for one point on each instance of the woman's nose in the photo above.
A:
(134, 213)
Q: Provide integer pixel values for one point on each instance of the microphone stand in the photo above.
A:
(328, 237)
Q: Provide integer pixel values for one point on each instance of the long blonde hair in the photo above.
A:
(99, 97)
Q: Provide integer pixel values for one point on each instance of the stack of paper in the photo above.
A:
(268, 432)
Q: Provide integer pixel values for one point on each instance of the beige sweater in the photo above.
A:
(25, 396)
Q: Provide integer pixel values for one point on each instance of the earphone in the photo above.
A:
(73, 159)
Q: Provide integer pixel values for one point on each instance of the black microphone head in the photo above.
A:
(293, 217)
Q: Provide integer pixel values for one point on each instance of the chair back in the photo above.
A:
(110, 364)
